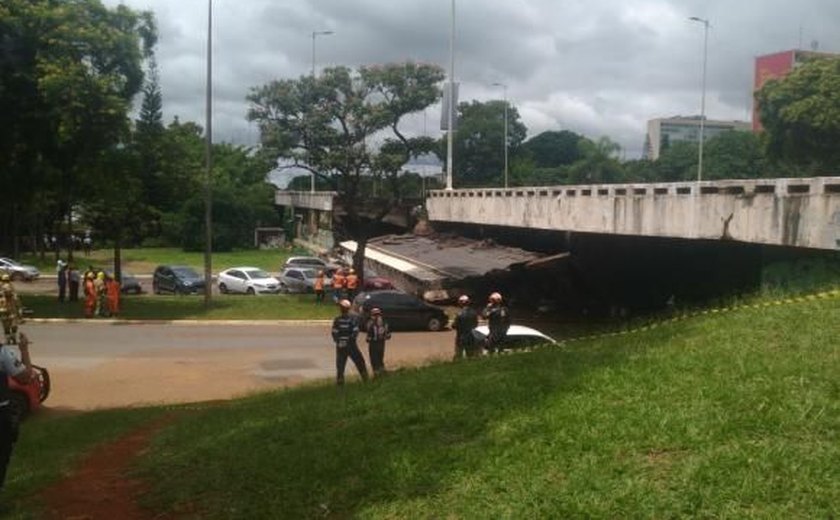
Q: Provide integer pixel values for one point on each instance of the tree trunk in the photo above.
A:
(359, 257)
(118, 257)
(69, 235)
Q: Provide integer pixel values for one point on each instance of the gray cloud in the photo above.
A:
(599, 67)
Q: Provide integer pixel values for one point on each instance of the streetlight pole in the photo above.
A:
(705, 23)
(450, 116)
(208, 178)
(504, 89)
(315, 34)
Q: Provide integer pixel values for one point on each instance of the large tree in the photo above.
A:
(479, 144)
(70, 69)
(344, 126)
(553, 148)
(801, 115)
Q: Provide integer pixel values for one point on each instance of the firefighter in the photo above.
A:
(21, 371)
(465, 322)
(498, 321)
(345, 329)
(377, 333)
(352, 283)
(112, 290)
(338, 284)
(11, 310)
(101, 294)
(318, 286)
(90, 295)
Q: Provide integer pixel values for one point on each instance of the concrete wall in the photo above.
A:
(789, 212)
(320, 200)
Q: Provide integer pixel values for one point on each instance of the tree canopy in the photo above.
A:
(344, 126)
(801, 115)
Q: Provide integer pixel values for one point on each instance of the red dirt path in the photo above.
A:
(102, 486)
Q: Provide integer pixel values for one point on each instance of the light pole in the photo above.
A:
(705, 23)
(504, 89)
(450, 115)
(208, 160)
(315, 34)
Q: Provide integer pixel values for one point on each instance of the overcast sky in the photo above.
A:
(597, 67)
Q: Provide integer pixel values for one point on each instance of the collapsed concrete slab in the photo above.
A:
(436, 266)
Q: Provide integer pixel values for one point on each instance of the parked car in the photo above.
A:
(377, 283)
(402, 311)
(130, 284)
(300, 280)
(305, 261)
(247, 280)
(518, 336)
(177, 279)
(18, 271)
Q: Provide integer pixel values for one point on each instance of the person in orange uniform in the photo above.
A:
(319, 287)
(352, 283)
(90, 295)
(112, 290)
(338, 283)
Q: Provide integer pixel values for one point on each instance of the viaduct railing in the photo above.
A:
(787, 212)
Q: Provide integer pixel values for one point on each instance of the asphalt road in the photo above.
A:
(101, 365)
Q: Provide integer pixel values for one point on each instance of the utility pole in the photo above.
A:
(705, 23)
(450, 115)
(208, 160)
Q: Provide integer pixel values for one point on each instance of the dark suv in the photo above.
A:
(177, 279)
(401, 310)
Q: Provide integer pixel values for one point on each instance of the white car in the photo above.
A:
(247, 280)
(18, 271)
(517, 336)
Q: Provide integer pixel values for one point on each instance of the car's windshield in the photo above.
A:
(10, 262)
(309, 273)
(184, 272)
(257, 274)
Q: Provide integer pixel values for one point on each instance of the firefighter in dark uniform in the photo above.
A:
(498, 321)
(21, 371)
(465, 322)
(345, 329)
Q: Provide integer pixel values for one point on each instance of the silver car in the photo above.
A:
(18, 271)
(300, 280)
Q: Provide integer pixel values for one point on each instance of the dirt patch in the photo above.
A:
(102, 487)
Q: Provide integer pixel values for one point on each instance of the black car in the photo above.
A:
(177, 279)
(129, 285)
(401, 310)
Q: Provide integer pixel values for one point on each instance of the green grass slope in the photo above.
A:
(732, 416)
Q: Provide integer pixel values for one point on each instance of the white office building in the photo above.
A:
(662, 131)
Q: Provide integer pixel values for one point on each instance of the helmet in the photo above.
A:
(89, 276)
(344, 304)
(463, 299)
(101, 275)
(496, 297)
(5, 277)
(352, 271)
(376, 311)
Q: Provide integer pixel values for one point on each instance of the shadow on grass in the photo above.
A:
(336, 452)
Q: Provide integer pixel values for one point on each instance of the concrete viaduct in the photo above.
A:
(802, 213)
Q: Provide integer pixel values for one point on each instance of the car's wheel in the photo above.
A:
(223, 288)
(434, 324)
(19, 406)
(284, 288)
(17, 277)
(251, 291)
(155, 288)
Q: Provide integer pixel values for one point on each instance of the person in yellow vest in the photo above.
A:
(338, 285)
(11, 310)
(319, 287)
(101, 294)
(352, 283)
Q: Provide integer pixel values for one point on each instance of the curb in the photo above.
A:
(95, 321)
